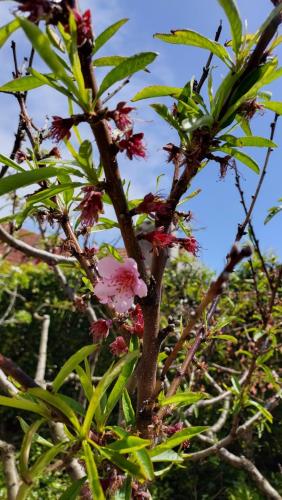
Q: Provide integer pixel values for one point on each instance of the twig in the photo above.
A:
(206, 68)
(243, 463)
(242, 227)
(213, 292)
(116, 91)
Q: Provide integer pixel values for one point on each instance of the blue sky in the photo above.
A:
(216, 210)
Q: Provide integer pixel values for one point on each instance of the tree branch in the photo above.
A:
(42, 355)
(11, 475)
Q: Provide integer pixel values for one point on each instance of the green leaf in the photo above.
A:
(263, 410)
(109, 61)
(72, 492)
(101, 388)
(57, 402)
(7, 30)
(85, 382)
(25, 448)
(10, 163)
(248, 141)
(272, 212)
(23, 84)
(164, 112)
(107, 34)
(23, 179)
(127, 68)
(229, 338)
(92, 473)
(117, 390)
(41, 44)
(189, 197)
(52, 191)
(231, 10)
(157, 91)
(143, 458)
(71, 364)
(188, 37)
(127, 408)
(177, 439)
(24, 404)
(242, 157)
(186, 398)
(123, 463)
(168, 456)
(273, 106)
(129, 444)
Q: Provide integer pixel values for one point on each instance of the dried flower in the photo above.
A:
(91, 206)
(172, 429)
(120, 282)
(159, 239)
(189, 244)
(100, 329)
(119, 346)
(137, 321)
(133, 145)
(153, 204)
(60, 128)
(121, 116)
(249, 108)
(37, 10)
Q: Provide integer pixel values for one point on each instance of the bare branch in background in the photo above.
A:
(8, 456)
(42, 355)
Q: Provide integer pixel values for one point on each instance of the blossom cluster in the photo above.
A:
(160, 239)
(128, 142)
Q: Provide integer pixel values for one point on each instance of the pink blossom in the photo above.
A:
(91, 206)
(100, 329)
(120, 282)
(133, 145)
(121, 116)
(118, 347)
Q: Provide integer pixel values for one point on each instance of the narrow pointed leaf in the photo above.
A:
(231, 10)
(107, 34)
(92, 473)
(188, 37)
(157, 91)
(181, 398)
(102, 386)
(109, 61)
(127, 68)
(248, 141)
(24, 404)
(23, 84)
(273, 106)
(24, 179)
(57, 402)
(242, 157)
(129, 444)
(71, 365)
(7, 30)
(143, 458)
(10, 163)
(177, 439)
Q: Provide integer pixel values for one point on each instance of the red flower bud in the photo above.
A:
(118, 347)
(100, 329)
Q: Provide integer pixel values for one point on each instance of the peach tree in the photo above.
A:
(110, 453)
